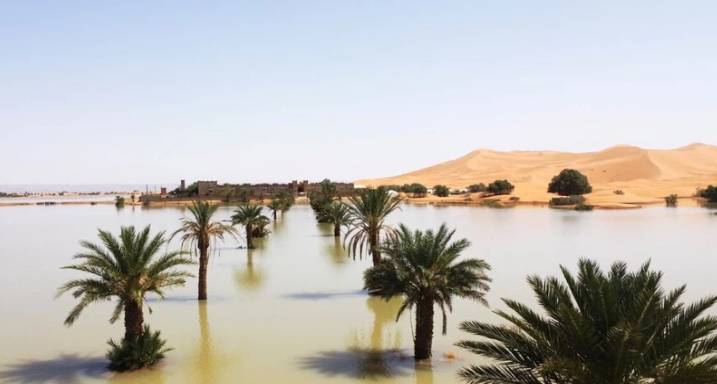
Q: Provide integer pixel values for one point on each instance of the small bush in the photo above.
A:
(441, 190)
(514, 199)
(491, 203)
(569, 182)
(618, 192)
(500, 187)
(475, 188)
(709, 193)
(416, 189)
(119, 201)
(671, 201)
(584, 207)
(147, 350)
(568, 200)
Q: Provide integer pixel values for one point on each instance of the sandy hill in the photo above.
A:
(644, 175)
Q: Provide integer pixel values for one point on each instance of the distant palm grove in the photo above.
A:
(604, 327)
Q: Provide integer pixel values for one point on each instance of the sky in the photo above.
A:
(252, 91)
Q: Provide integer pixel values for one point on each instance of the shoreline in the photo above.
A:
(495, 202)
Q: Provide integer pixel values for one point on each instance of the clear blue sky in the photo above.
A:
(155, 91)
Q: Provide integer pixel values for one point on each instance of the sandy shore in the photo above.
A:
(622, 177)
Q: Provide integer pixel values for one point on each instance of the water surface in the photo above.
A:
(293, 310)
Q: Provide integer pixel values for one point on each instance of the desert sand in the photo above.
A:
(645, 176)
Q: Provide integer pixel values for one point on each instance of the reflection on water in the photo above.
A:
(205, 368)
(337, 252)
(384, 313)
(249, 277)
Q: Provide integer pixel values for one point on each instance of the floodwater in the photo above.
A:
(292, 311)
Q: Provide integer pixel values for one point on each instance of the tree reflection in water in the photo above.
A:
(249, 278)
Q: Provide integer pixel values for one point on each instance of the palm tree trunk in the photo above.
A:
(275, 215)
(203, 263)
(373, 246)
(424, 329)
(249, 242)
(337, 230)
(133, 320)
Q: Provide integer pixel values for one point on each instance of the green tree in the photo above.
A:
(423, 267)
(250, 216)
(198, 232)
(274, 206)
(709, 193)
(441, 190)
(367, 214)
(500, 187)
(415, 189)
(126, 269)
(337, 214)
(614, 328)
(570, 182)
(323, 197)
(119, 201)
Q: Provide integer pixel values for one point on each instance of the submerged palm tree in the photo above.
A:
(249, 215)
(367, 212)
(424, 268)
(336, 213)
(200, 230)
(126, 268)
(614, 328)
(275, 205)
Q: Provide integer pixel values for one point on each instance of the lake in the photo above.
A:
(292, 311)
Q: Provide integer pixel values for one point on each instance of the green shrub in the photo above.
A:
(569, 182)
(567, 200)
(441, 190)
(119, 201)
(671, 201)
(475, 188)
(709, 193)
(500, 187)
(147, 350)
(416, 189)
(491, 203)
(584, 207)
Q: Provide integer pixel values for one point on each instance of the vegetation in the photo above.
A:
(274, 206)
(126, 268)
(475, 188)
(441, 190)
(119, 201)
(671, 200)
(287, 200)
(415, 189)
(500, 187)
(709, 193)
(567, 200)
(337, 214)
(367, 214)
(618, 192)
(199, 231)
(129, 355)
(491, 203)
(322, 198)
(423, 268)
(584, 207)
(570, 182)
(619, 327)
(250, 216)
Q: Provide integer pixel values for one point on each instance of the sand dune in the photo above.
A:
(644, 175)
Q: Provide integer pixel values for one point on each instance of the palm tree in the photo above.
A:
(275, 205)
(200, 230)
(249, 215)
(125, 268)
(423, 268)
(614, 328)
(367, 212)
(336, 213)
